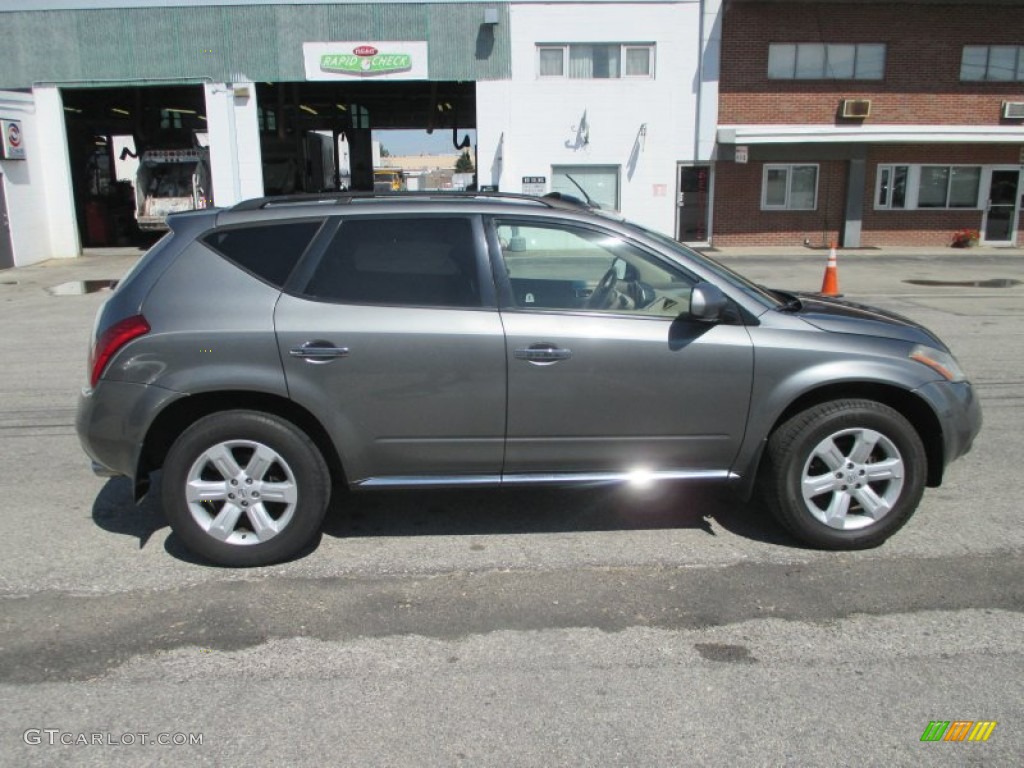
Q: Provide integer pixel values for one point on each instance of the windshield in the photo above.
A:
(768, 298)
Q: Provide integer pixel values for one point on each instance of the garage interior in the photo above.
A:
(300, 126)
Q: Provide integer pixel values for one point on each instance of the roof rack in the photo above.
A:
(551, 200)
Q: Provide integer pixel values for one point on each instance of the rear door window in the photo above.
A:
(423, 262)
(268, 251)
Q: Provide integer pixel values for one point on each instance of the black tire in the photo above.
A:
(289, 468)
(795, 450)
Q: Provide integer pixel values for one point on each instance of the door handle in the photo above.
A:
(318, 352)
(542, 354)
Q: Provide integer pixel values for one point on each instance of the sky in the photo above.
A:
(420, 143)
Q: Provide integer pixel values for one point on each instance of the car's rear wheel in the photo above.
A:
(243, 488)
(845, 474)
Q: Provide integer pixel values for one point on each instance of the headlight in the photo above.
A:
(941, 362)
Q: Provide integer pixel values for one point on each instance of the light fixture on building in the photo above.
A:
(119, 111)
(240, 92)
(180, 111)
(342, 107)
(309, 109)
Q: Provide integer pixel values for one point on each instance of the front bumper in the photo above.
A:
(959, 412)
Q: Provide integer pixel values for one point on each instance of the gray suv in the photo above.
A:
(271, 354)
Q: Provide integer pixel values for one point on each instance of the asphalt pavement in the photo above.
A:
(514, 627)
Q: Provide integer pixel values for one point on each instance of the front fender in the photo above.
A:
(792, 364)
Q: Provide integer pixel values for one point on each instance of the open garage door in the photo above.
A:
(318, 136)
(136, 154)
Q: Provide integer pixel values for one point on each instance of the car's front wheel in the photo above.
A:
(846, 474)
(243, 488)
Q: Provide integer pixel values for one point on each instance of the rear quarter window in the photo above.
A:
(268, 251)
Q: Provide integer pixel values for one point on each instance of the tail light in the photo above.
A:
(111, 340)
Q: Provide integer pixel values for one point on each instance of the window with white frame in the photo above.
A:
(789, 188)
(912, 187)
(826, 61)
(599, 182)
(1000, 63)
(595, 61)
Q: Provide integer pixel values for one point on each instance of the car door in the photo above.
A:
(391, 338)
(607, 375)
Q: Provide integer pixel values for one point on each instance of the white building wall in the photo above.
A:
(23, 184)
(527, 125)
(40, 203)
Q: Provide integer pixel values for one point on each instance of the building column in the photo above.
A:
(55, 163)
(855, 178)
(236, 164)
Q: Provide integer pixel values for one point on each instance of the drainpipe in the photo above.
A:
(700, 82)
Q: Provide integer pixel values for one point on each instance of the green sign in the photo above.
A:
(365, 64)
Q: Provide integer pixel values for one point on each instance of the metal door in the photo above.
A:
(409, 383)
(624, 395)
(1000, 224)
(607, 374)
(6, 247)
(694, 203)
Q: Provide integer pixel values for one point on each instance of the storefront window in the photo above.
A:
(790, 187)
(964, 181)
(931, 192)
(928, 186)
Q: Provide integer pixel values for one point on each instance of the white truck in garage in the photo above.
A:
(169, 181)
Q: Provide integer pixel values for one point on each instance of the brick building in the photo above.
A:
(870, 123)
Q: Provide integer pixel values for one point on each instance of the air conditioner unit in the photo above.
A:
(857, 108)
(1013, 110)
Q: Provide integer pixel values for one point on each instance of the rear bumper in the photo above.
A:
(112, 422)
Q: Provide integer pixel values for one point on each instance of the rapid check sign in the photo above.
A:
(381, 60)
(366, 64)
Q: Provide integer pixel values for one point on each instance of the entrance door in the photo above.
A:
(6, 248)
(694, 196)
(1000, 225)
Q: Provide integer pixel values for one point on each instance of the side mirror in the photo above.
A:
(707, 302)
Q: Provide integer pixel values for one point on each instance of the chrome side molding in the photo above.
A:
(637, 476)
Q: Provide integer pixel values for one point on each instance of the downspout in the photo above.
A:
(700, 82)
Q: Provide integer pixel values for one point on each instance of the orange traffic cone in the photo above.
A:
(830, 285)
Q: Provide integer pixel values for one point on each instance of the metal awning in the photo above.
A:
(870, 134)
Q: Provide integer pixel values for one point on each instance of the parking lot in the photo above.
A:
(513, 627)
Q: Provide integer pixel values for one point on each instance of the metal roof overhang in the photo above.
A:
(870, 134)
